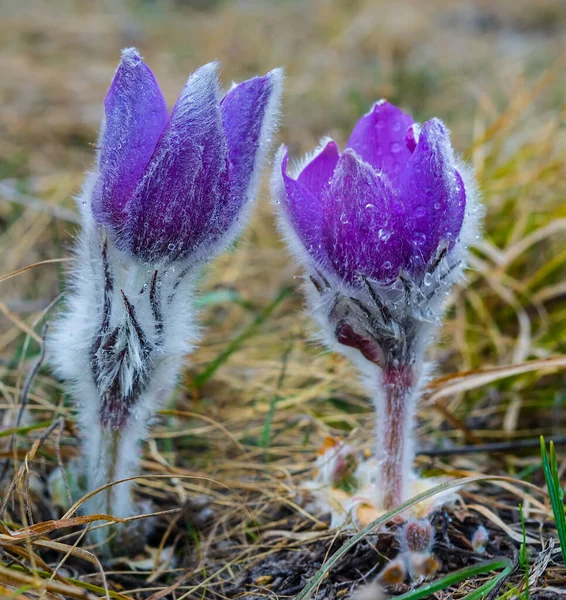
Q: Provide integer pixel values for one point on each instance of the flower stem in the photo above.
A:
(108, 461)
(395, 418)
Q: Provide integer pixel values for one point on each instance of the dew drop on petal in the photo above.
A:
(171, 246)
(436, 205)
(419, 238)
(387, 265)
(427, 279)
(384, 234)
(344, 218)
(395, 147)
(370, 206)
(420, 211)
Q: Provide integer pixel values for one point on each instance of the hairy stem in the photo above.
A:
(394, 424)
(111, 461)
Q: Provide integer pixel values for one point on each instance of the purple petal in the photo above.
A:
(432, 193)
(379, 139)
(318, 172)
(245, 110)
(178, 205)
(362, 223)
(304, 212)
(411, 137)
(136, 114)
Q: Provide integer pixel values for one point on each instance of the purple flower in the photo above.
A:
(382, 230)
(382, 207)
(175, 186)
(168, 192)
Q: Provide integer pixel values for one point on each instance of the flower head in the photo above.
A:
(168, 192)
(175, 186)
(382, 230)
(382, 207)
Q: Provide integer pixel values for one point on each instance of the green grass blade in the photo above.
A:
(524, 553)
(461, 575)
(222, 296)
(489, 586)
(236, 343)
(555, 491)
(25, 428)
(308, 590)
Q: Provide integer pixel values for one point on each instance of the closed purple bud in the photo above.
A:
(168, 192)
(175, 187)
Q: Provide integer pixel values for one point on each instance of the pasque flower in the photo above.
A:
(169, 191)
(382, 230)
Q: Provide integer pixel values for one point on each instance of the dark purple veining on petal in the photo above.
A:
(379, 139)
(362, 228)
(136, 115)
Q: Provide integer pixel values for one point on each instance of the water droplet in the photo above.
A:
(380, 124)
(420, 211)
(387, 265)
(436, 205)
(384, 234)
(419, 238)
(427, 279)
(395, 147)
(171, 246)
(396, 126)
(370, 206)
(344, 218)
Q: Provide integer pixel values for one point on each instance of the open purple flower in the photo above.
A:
(384, 205)
(174, 186)
(382, 229)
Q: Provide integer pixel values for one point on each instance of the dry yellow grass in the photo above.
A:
(241, 440)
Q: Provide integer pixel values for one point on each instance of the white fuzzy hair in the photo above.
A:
(117, 302)
(70, 351)
(325, 293)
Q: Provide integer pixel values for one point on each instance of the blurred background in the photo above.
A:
(493, 71)
(259, 395)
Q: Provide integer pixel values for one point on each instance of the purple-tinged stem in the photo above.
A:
(395, 417)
